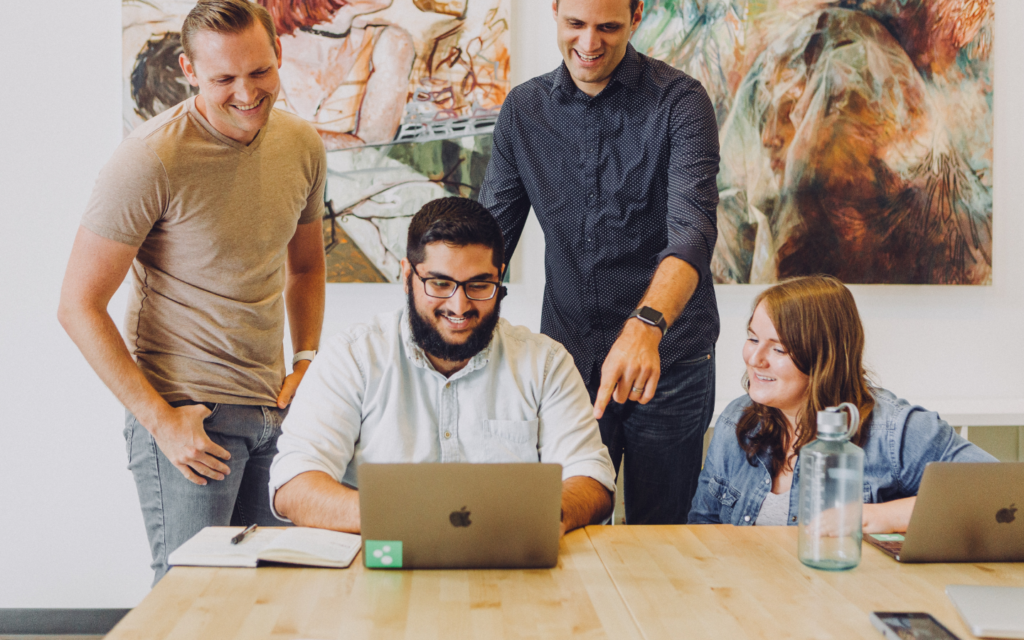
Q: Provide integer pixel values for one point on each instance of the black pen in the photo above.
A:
(241, 536)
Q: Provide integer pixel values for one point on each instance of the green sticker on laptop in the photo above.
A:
(383, 554)
(887, 537)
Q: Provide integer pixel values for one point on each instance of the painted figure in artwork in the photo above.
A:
(863, 179)
(404, 94)
(856, 134)
(344, 73)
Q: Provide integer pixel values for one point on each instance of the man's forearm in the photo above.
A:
(671, 288)
(96, 268)
(315, 499)
(584, 501)
(304, 300)
(97, 337)
(633, 365)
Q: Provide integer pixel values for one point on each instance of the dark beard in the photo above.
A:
(433, 343)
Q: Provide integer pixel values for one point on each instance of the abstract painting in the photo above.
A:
(856, 135)
(404, 94)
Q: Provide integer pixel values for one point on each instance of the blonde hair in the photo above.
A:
(224, 16)
(818, 325)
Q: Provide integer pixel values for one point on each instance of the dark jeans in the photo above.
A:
(661, 441)
(174, 509)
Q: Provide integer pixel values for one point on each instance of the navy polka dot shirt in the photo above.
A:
(618, 182)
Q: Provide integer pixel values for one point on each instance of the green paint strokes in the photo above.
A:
(457, 164)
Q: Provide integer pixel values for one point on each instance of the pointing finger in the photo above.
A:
(601, 401)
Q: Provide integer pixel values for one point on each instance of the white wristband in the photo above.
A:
(303, 355)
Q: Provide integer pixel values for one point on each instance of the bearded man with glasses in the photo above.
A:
(443, 380)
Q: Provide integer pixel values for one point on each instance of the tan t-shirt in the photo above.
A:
(212, 219)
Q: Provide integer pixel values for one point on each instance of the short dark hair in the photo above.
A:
(633, 4)
(224, 16)
(457, 222)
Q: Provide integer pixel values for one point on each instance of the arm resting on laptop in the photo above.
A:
(315, 499)
(584, 501)
(888, 517)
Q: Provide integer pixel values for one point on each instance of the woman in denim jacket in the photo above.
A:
(803, 353)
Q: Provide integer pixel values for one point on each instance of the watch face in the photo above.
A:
(649, 315)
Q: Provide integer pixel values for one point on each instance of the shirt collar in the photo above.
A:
(419, 358)
(629, 70)
(247, 149)
(627, 73)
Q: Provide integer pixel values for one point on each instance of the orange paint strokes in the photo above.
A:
(958, 21)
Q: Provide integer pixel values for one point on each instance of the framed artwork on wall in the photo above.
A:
(404, 94)
(856, 135)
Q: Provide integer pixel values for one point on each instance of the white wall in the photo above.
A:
(70, 530)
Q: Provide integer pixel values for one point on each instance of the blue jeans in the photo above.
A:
(662, 441)
(174, 509)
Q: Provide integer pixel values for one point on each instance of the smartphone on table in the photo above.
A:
(910, 626)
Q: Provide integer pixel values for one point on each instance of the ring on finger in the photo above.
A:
(638, 390)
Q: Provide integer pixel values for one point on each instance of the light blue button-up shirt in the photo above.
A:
(372, 395)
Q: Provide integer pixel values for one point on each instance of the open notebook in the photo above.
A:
(212, 547)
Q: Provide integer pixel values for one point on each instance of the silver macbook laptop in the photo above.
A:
(990, 612)
(965, 512)
(446, 516)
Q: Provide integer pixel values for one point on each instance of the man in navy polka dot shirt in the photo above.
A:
(617, 153)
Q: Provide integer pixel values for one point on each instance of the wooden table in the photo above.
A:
(622, 582)
(575, 599)
(736, 583)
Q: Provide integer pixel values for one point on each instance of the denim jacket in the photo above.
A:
(901, 440)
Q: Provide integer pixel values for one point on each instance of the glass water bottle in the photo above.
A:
(832, 493)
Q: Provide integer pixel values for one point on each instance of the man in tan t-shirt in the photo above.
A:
(215, 205)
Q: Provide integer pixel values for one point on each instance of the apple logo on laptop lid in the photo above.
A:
(460, 518)
(1005, 516)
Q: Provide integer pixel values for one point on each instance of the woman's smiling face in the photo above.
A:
(775, 380)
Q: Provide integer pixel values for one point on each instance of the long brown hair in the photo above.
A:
(818, 325)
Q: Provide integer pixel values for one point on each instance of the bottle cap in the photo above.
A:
(832, 421)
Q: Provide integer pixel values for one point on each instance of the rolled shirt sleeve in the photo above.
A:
(568, 433)
(692, 181)
(323, 424)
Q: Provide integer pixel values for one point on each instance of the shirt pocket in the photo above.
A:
(726, 496)
(512, 440)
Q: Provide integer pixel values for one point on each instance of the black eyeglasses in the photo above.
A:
(446, 288)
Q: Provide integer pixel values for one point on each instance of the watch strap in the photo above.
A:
(303, 355)
(661, 324)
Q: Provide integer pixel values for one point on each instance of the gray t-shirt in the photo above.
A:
(212, 219)
(774, 510)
